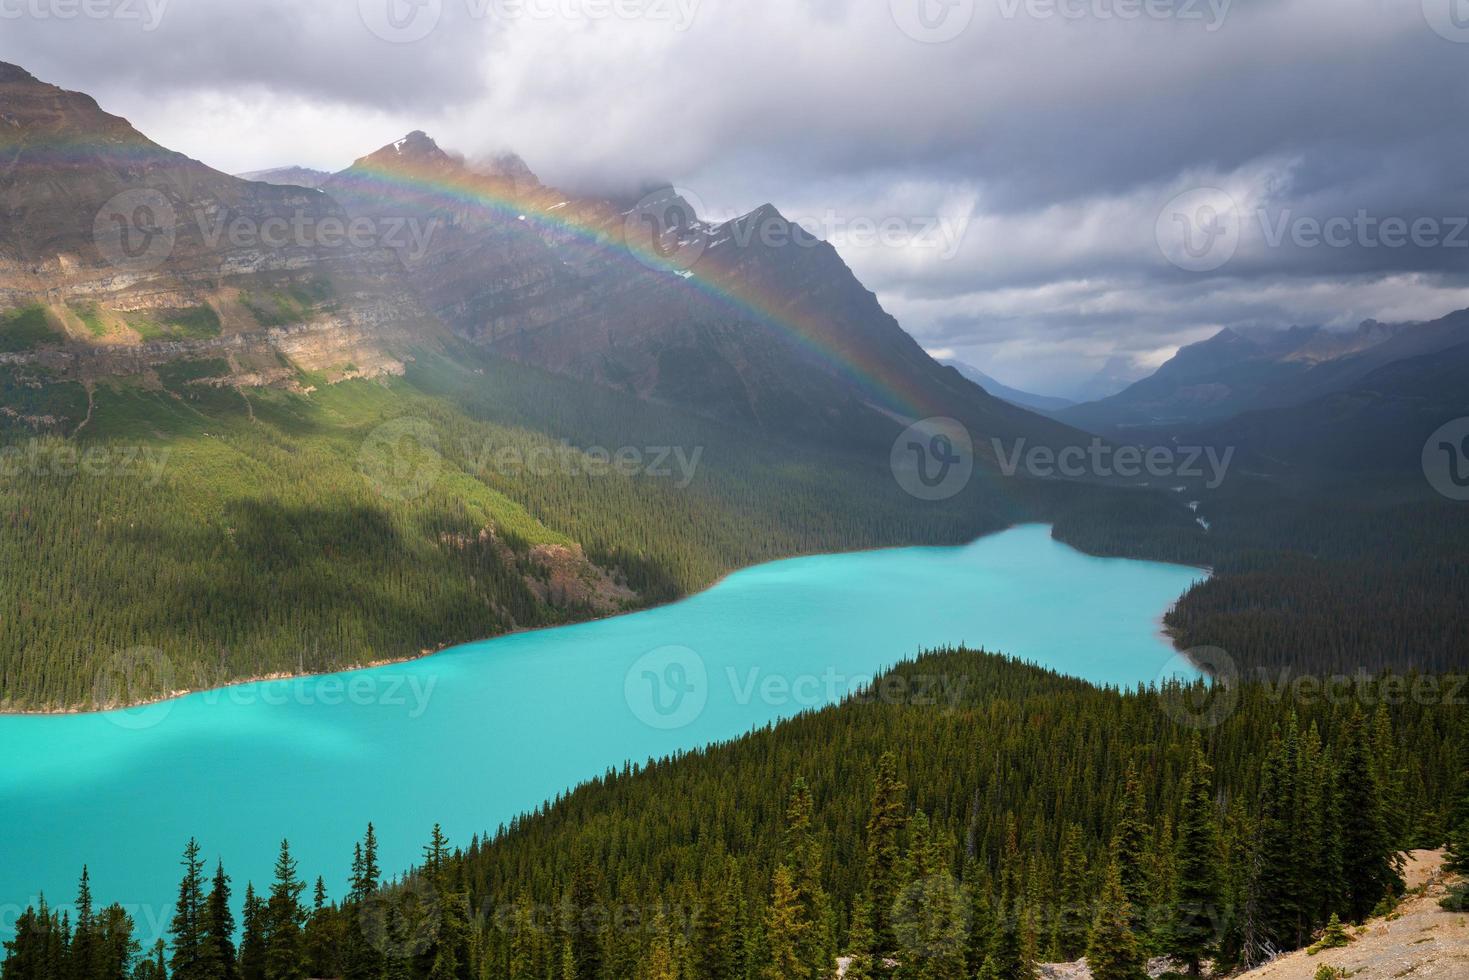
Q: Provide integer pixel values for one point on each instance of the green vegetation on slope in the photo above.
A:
(24, 329)
(244, 533)
(193, 323)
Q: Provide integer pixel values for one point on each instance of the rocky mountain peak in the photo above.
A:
(417, 150)
(12, 74)
(506, 166)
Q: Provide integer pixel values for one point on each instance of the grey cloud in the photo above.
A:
(1062, 139)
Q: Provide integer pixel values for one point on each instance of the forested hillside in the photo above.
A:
(248, 531)
(1031, 818)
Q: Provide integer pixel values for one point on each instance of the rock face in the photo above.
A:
(751, 321)
(133, 254)
(123, 244)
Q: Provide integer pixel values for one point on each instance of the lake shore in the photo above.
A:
(83, 709)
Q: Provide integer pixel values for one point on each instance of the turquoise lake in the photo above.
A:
(477, 734)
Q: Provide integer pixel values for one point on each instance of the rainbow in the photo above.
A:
(807, 330)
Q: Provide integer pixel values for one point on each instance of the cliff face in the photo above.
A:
(124, 254)
(134, 254)
(751, 321)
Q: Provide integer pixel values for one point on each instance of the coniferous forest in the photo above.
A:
(1029, 818)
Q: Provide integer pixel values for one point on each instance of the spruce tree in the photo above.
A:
(1007, 957)
(1191, 923)
(786, 930)
(803, 857)
(218, 944)
(584, 925)
(1279, 863)
(253, 936)
(860, 964)
(1071, 919)
(1456, 860)
(284, 917)
(188, 960)
(83, 957)
(1369, 869)
(717, 947)
(1130, 839)
(981, 916)
(884, 824)
(116, 946)
(1112, 951)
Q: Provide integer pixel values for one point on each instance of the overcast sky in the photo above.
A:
(1018, 180)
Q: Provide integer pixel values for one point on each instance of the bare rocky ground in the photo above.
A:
(1419, 940)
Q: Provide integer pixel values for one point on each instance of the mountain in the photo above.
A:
(291, 176)
(121, 255)
(380, 416)
(750, 321)
(1115, 374)
(118, 255)
(1231, 372)
(1376, 423)
(1039, 403)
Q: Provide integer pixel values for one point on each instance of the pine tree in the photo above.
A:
(1130, 839)
(981, 916)
(717, 933)
(803, 857)
(584, 922)
(884, 824)
(662, 963)
(83, 957)
(1071, 919)
(1277, 884)
(217, 953)
(930, 911)
(1369, 869)
(527, 949)
(1008, 957)
(786, 929)
(1456, 861)
(1112, 950)
(861, 965)
(319, 940)
(187, 929)
(1191, 927)
(364, 922)
(116, 946)
(284, 917)
(252, 939)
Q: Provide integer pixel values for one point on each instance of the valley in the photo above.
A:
(705, 624)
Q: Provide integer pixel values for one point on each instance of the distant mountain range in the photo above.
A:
(1305, 399)
(1040, 403)
(288, 176)
(1239, 371)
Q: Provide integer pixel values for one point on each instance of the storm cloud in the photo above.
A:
(1042, 187)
